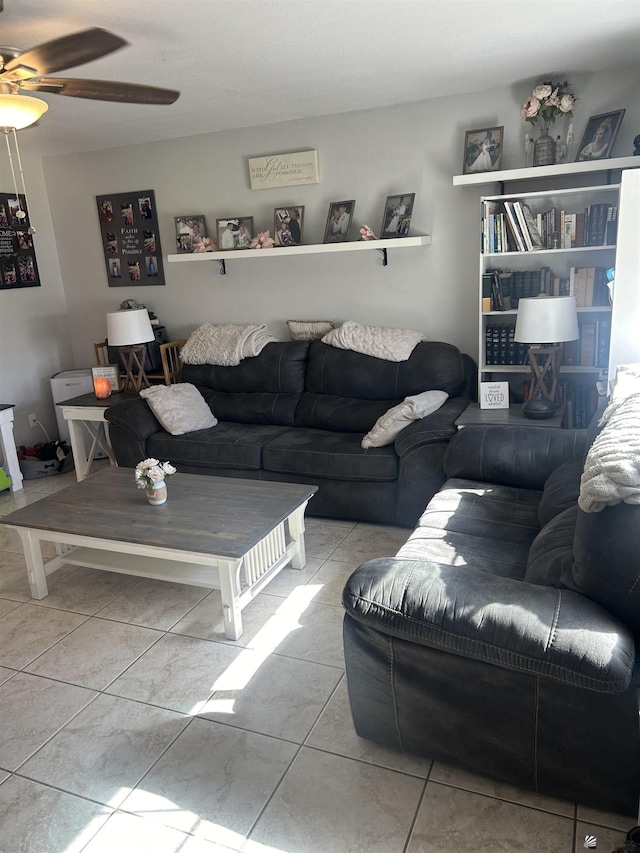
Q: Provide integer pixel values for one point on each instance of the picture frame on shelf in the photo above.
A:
(599, 136)
(483, 150)
(190, 231)
(396, 218)
(287, 225)
(339, 221)
(235, 232)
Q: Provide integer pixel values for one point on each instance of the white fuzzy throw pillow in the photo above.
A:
(179, 408)
(387, 427)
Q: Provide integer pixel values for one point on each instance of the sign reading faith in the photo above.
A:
(494, 395)
(283, 170)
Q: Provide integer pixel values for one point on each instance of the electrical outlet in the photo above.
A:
(33, 420)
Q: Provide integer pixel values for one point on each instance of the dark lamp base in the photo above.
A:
(539, 408)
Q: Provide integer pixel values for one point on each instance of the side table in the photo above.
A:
(473, 415)
(86, 414)
(9, 446)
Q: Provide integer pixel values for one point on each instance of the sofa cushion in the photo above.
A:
(561, 491)
(224, 446)
(551, 553)
(180, 408)
(339, 414)
(279, 369)
(342, 373)
(332, 455)
(253, 408)
(482, 525)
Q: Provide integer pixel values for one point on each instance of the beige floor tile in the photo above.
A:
(205, 621)
(334, 732)
(607, 840)
(366, 542)
(315, 635)
(86, 591)
(331, 578)
(154, 603)
(45, 706)
(9, 539)
(454, 821)
(7, 558)
(212, 782)
(95, 653)
(3, 775)
(179, 673)
(14, 583)
(106, 749)
(322, 539)
(6, 674)
(277, 696)
(286, 581)
(26, 810)
(6, 606)
(449, 775)
(603, 818)
(127, 833)
(361, 808)
(29, 630)
(310, 521)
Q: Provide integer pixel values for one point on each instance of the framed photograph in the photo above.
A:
(287, 225)
(190, 231)
(599, 136)
(236, 233)
(397, 215)
(482, 150)
(339, 221)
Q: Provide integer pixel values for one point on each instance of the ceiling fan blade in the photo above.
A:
(62, 53)
(102, 90)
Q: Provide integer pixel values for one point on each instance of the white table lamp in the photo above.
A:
(544, 322)
(130, 330)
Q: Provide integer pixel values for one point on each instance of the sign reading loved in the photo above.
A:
(283, 170)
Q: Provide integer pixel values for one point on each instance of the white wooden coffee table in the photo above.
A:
(223, 533)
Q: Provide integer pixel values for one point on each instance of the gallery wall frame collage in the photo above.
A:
(18, 266)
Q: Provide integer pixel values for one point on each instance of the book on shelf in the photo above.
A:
(587, 344)
(528, 226)
(514, 227)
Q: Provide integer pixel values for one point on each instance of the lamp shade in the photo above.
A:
(18, 111)
(547, 320)
(131, 326)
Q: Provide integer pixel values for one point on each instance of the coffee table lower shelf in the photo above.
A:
(238, 579)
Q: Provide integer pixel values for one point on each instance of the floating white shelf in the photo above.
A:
(546, 171)
(314, 249)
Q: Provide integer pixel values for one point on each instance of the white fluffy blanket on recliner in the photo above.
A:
(612, 468)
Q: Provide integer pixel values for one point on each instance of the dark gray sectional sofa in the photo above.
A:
(503, 636)
(297, 412)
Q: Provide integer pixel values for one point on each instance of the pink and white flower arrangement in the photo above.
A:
(151, 471)
(548, 101)
(206, 245)
(262, 240)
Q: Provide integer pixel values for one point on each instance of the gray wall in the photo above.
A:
(365, 155)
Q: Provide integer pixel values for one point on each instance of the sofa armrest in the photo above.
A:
(438, 426)
(518, 456)
(539, 630)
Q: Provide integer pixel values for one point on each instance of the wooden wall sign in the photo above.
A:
(130, 238)
(283, 170)
(18, 267)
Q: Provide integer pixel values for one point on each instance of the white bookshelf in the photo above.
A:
(538, 172)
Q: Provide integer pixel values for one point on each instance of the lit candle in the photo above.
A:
(102, 387)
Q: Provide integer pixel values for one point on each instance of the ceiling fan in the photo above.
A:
(28, 71)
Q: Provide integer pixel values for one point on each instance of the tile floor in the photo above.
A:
(129, 723)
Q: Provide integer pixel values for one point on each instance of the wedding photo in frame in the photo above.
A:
(396, 220)
(482, 150)
(339, 221)
(599, 136)
(287, 225)
(190, 232)
(234, 232)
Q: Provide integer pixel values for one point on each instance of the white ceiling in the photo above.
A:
(241, 63)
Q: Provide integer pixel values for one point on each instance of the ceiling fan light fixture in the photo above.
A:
(18, 111)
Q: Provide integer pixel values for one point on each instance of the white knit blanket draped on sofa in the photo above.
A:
(389, 344)
(225, 345)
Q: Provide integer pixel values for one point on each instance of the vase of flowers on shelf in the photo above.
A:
(547, 102)
(151, 475)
